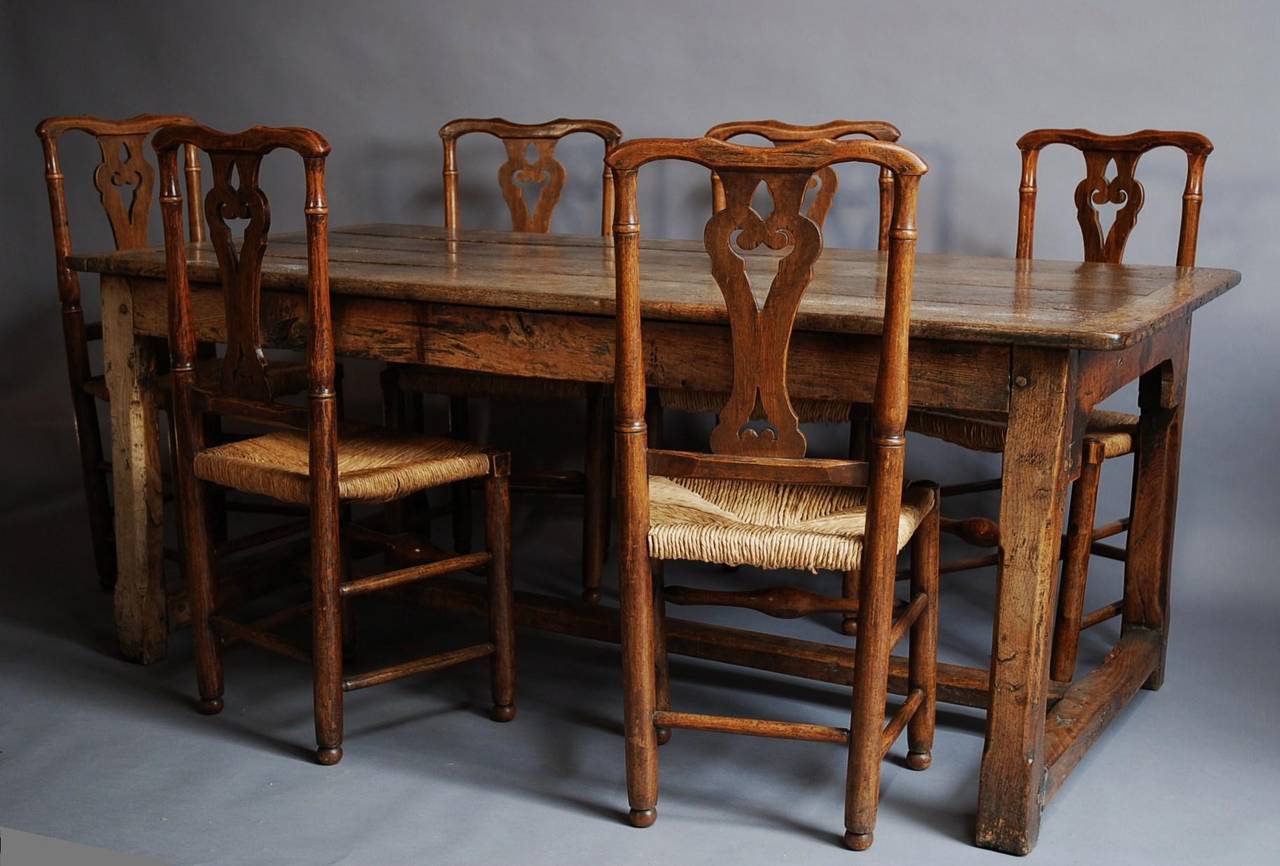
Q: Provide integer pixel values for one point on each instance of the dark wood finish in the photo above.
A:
(829, 663)
(823, 184)
(491, 308)
(824, 181)
(547, 174)
(125, 180)
(1039, 441)
(986, 302)
(1100, 152)
(758, 421)
(245, 390)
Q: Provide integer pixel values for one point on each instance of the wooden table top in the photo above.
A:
(968, 298)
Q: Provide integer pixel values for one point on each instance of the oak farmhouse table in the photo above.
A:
(1044, 341)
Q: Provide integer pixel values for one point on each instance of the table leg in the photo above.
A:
(1036, 461)
(141, 627)
(1155, 503)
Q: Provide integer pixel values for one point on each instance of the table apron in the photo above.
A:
(579, 347)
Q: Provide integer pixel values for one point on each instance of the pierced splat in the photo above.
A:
(820, 192)
(124, 165)
(235, 195)
(531, 165)
(758, 418)
(519, 175)
(823, 185)
(1123, 189)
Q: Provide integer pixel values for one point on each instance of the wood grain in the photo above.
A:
(963, 298)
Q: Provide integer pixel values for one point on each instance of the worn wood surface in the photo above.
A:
(965, 298)
(139, 502)
(125, 180)
(389, 310)
(759, 428)
(1037, 452)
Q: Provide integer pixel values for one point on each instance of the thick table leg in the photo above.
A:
(1155, 502)
(141, 628)
(1036, 458)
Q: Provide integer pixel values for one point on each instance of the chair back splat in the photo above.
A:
(125, 181)
(1100, 151)
(765, 497)
(824, 179)
(244, 388)
(544, 171)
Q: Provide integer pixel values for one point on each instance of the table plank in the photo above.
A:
(965, 298)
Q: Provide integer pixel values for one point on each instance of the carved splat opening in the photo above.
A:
(125, 180)
(531, 180)
(758, 417)
(235, 198)
(1109, 184)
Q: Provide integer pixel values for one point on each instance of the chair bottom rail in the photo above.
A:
(426, 664)
(822, 662)
(898, 721)
(1101, 615)
(232, 631)
(751, 727)
(414, 573)
(905, 615)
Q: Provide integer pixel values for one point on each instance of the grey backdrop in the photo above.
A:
(962, 81)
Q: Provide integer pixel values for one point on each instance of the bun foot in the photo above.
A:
(919, 760)
(503, 712)
(849, 626)
(643, 817)
(209, 707)
(329, 757)
(858, 841)
(664, 736)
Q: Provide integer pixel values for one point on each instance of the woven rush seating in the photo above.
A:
(768, 524)
(374, 465)
(985, 431)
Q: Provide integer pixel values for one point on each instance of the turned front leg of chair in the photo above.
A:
(661, 661)
(1075, 563)
(196, 548)
(598, 481)
(497, 502)
(326, 626)
(394, 514)
(460, 492)
(849, 589)
(870, 689)
(923, 649)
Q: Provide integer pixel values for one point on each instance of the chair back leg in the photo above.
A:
(1075, 563)
(501, 618)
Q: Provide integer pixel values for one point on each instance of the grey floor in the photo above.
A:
(112, 755)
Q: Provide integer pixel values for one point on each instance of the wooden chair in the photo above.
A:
(756, 499)
(821, 190)
(1108, 434)
(124, 167)
(516, 173)
(310, 461)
